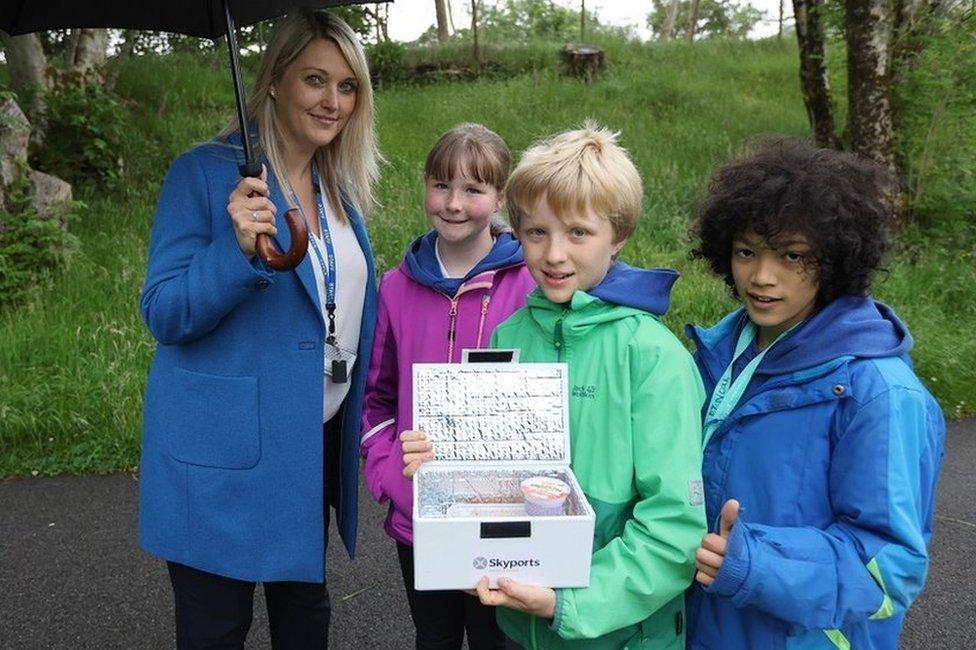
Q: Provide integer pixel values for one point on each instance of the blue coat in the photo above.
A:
(231, 480)
(833, 453)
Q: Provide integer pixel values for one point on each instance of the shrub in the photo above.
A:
(387, 63)
(31, 247)
(935, 123)
(83, 144)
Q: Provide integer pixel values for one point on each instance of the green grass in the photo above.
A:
(73, 360)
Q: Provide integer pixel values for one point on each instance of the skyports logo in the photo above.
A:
(498, 564)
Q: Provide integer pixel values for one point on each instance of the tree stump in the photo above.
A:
(584, 61)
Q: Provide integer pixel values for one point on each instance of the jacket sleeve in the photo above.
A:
(194, 277)
(871, 562)
(379, 443)
(652, 561)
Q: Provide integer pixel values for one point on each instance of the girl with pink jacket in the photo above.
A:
(456, 283)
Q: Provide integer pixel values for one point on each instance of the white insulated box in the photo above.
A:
(494, 425)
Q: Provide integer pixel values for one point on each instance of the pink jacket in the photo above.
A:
(417, 324)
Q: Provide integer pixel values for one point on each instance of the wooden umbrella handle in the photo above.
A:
(288, 260)
(263, 244)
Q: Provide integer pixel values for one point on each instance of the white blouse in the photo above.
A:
(350, 294)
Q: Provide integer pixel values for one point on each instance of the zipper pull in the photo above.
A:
(453, 316)
(450, 329)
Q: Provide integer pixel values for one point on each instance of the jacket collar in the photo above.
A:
(852, 326)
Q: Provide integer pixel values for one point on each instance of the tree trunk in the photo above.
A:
(386, 22)
(814, 82)
(670, 19)
(867, 30)
(27, 69)
(450, 17)
(779, 34)
(26, 65)
(90, 52)
(900, 14)
(129, 38)
(582, 21)
(693, 23)
(67, 50)
(442, 32)
(474, 32)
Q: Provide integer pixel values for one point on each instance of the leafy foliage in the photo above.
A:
(716, 18)
(536, 19)
(249, 37)
(74, 357)
(86, 126)
(517, 22)
(32, 248)
(935, 121)
(387, 62)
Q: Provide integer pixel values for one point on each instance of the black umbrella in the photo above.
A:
(202, 18)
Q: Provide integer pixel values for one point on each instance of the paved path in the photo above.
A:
(71, 575)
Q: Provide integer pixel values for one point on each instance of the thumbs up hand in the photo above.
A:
(711, 553)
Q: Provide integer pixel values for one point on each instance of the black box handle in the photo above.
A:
(505, 529)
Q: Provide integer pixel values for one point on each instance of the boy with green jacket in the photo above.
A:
(635, 402)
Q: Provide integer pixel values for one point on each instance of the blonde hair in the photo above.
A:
(351, 161)
(578, 171)
(471, 149)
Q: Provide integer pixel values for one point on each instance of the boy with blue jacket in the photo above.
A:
(821, 446)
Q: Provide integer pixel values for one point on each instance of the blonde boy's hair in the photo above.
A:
(471, 149)
(578, 171)
(351, 160)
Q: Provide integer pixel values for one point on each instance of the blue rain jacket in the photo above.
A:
(833, 453)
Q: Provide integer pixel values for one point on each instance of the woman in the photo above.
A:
(237, 465)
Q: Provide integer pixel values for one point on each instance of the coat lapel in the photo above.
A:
(283, 240)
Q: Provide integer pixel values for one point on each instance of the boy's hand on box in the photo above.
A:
(417, 450)
(711, 554)
(538, 601)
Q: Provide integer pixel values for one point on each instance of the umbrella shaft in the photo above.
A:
(249, 166)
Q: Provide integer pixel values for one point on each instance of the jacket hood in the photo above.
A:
(645, 289)
(853, 326)
(420, 262)
(624, 291)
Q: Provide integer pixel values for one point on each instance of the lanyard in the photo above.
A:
(727, 393)
(328, 270)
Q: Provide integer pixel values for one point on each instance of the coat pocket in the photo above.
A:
(213, 420)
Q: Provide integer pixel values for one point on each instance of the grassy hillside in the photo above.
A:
(73, 361)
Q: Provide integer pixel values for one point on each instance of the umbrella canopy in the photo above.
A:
(202, 18)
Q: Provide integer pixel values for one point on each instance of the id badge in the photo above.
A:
(338, 363)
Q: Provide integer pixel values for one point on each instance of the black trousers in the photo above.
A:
(216, 612)
(443, 617)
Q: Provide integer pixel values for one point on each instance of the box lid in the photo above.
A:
(493, 412)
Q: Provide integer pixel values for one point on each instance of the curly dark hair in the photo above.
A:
(838, 200)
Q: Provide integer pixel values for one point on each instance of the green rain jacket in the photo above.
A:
(635, 407)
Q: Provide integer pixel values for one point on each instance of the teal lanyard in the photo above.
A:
(727, 393)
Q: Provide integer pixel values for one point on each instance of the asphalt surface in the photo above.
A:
(72, 575)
